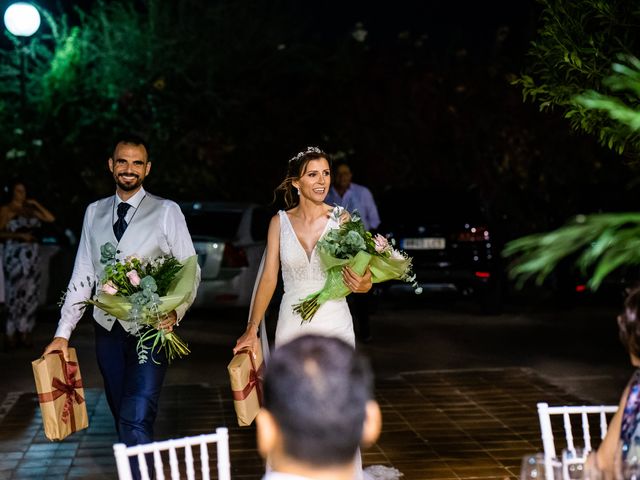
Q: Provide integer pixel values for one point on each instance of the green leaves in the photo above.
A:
(623, 109)
(601, 242)
(571, 59)
(584, 50)
(348, 240)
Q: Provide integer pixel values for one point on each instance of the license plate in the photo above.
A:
(428, 243)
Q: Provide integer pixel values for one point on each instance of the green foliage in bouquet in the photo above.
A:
(348, 240)
(143, 291)
(352, 245)
(162, 271)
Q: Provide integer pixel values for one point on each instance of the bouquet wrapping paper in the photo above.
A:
(60, 393)
(131, 293)
(246, 374)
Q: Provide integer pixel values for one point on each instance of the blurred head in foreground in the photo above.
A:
(318, 408)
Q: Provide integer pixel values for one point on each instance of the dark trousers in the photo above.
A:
(360, 306)
(132, 389)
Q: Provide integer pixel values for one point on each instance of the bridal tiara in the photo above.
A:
(304, 152)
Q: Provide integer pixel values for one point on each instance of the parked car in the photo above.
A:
(454, 247)
(229, 238)
(569, 285)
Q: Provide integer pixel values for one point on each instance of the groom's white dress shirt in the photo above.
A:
(156, 227)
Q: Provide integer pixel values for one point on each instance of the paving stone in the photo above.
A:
(436, 425)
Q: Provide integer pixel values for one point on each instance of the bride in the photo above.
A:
(291, 245)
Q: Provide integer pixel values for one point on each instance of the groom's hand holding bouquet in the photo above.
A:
(353, 246)
(146, 292)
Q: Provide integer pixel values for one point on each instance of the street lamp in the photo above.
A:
(22, 19)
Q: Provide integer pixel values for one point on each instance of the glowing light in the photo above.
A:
(22, 19)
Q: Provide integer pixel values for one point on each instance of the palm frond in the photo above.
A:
(602, 242)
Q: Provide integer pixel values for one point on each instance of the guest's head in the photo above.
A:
(318, 405)
(308, 175)
(16, 191)
(342, 176)
(629, 325)
(129, 162)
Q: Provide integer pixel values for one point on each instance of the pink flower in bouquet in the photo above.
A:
(381, 242)
(109, 288)
(134, 278)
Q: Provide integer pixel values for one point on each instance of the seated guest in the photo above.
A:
(624, 426)
(318, 409)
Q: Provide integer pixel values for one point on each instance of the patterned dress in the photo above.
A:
(21, 277)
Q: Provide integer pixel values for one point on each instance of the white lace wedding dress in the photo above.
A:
(303, 275)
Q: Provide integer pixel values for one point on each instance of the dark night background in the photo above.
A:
(228, 91)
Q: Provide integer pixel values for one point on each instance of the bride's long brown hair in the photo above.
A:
(297, 168)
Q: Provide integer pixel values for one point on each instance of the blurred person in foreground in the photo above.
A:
(139, 224)
(318, 409)
(20, 220)
(353, 196)
(624, 428)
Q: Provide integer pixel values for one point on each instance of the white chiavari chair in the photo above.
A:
(577, 424)
(183, 462)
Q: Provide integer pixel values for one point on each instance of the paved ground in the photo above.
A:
(437, 425)
(458, 391)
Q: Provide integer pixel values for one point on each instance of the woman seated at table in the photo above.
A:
(624, 425)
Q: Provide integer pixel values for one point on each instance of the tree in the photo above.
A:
(596, 81)
(576, 45)
(227, 91)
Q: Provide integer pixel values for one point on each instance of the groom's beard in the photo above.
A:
(127, 187)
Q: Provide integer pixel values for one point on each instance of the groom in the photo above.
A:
(140, 224)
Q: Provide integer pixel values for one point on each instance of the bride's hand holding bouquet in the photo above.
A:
(357, 283)
(349, 250)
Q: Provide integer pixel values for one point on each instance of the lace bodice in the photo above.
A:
(300, 273)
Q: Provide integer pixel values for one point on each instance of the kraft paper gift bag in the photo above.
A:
(245, 374)
(61, 396)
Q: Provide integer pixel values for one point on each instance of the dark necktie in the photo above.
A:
(121, 225)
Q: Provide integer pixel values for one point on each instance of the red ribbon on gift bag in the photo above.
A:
(255, 381)
(67, 387)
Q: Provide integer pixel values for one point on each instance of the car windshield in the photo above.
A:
(219, 224)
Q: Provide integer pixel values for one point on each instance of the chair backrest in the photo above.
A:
(579, 419)
(180, 457)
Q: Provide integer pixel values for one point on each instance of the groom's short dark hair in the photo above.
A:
(317, 389)
(131, 138)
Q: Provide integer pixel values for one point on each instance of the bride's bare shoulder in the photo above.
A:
(275, 221)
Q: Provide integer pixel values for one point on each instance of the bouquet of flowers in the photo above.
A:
(352, 245)
(143, 291)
